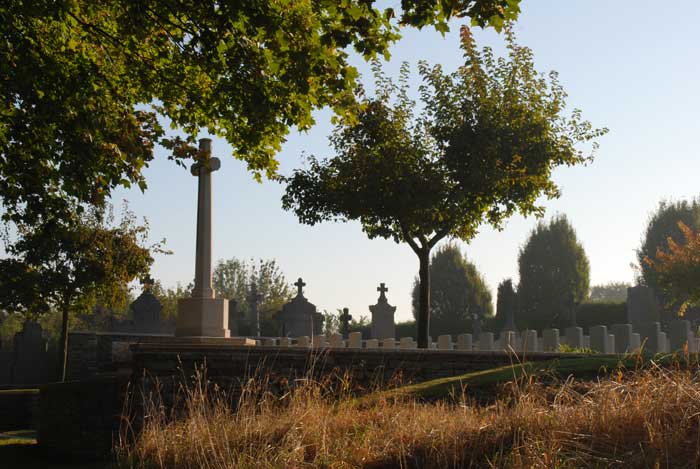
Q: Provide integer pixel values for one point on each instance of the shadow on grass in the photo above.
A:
(19, 449)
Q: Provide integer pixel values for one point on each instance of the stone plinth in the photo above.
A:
(202, 317)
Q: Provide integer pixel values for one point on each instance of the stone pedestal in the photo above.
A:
(202, 317)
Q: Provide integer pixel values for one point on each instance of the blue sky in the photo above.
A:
(631, 66)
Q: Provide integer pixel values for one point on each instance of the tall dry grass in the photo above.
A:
(646, 418)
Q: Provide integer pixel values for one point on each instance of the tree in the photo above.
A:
(677, 268)
(612, 292)
(457, 290)
(483, 148)
(554, 274)
(101, 72)
(70, 266)
(233, 279)
(506, 303)
(662, 226)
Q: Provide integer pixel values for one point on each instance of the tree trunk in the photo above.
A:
(424, 300)
(64, 343)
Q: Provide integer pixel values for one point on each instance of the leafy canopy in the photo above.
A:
(554, 274)
(663, 225)
(457, 290)
(677, 268)
(482, 148)
(82, 82)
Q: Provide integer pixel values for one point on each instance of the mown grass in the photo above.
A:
(646, 417)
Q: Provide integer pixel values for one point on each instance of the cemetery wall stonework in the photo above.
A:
(229, 365)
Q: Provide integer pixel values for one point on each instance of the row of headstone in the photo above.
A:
(618, 339)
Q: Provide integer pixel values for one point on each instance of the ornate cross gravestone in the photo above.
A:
(383, 326)
(146, 309)
(203, 314)
(30, 359)
(345, 319)
(299, 317)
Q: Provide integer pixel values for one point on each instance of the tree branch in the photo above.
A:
(438, 236)
(409, 239)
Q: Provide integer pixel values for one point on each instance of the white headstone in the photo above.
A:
(445, 342)
(407, 343)
(355, 340)
(336, 341)
(599, 339)
(529, 341)
(550, 340)
(611, 343)
(389, 344)
(486, 341)
(464, 342)
(635, 342)
(303, 341)
(508, 340)
(372, 343)
(574, 337)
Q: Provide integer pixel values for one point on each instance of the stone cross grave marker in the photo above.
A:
(203, 314)
(345, 319)
(383, 326)
(253, 298)
(147, 311)
(299, 317)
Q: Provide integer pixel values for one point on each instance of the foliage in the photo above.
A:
(233, 279)
(612, 292)
(70, 265)
(554, 274)
(677, 268)
(169, 297)
(332, 322)
(82, 83)
(506, 303)
(457, 290)
(483, 148)
(600, 314)
(662, 226)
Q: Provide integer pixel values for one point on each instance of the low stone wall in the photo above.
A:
(90, 353)
(19, 409)
(229, 366)
(81, 419)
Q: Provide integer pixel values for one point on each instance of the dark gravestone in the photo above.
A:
(253, 299)
(299, 317)
(345, 319)
(234, 318)
(30, 359)
(146, 309)
(642, 307)
(383, 326)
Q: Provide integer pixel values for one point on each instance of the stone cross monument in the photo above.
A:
(203, 315)
(383, 326)
(299, 317)
(253, 298)
(345, 319)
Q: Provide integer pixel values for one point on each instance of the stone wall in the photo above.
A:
(230, 365)
(90, 353)
(19, 409)
(81, 419)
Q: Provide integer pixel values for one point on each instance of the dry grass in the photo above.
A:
(646, 418)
